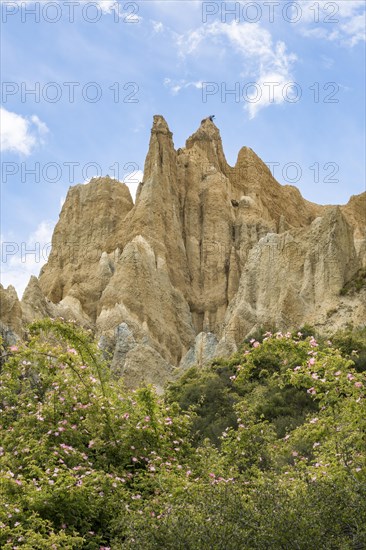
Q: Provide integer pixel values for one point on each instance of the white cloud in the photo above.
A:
(107, 6)
(129, 11)
(62, 201)
(42, 127)
(342, 21)
(267, 62)
(157, 26)
(177, 85)
(21, 259)
(132, 181)
(325, 11)
(188, 43)
(43, 233)
(353, 30)
(20, 134)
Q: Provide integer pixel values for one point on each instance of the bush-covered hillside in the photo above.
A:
(264, 450)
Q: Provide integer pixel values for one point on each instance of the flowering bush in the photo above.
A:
(87, 464)
(73, 441)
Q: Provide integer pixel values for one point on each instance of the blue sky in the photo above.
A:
(100, 71)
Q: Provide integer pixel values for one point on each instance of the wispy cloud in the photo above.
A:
(157, 26)
(177, 85)
(20, 260)
(268, 62)
(343, 22)
(21, 134)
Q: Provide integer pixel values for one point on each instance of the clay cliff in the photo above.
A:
(206, 255)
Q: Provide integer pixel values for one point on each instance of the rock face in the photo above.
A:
(11, 314)
(206, 255)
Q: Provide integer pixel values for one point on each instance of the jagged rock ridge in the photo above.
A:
(207, 254)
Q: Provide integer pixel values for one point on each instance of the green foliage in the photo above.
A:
(73, 441)
(263, 450)
(352, 344)
(209, 394)
(356, 284)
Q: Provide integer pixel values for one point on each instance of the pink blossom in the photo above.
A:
(72, 350)
(212, 475)
(14, 348)
(312, 391)
(297, 368)
(313, 342)
(311, 361)
(358, 384)
(256, 344)
(338, 373)
(134, 459)
(350, 376)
